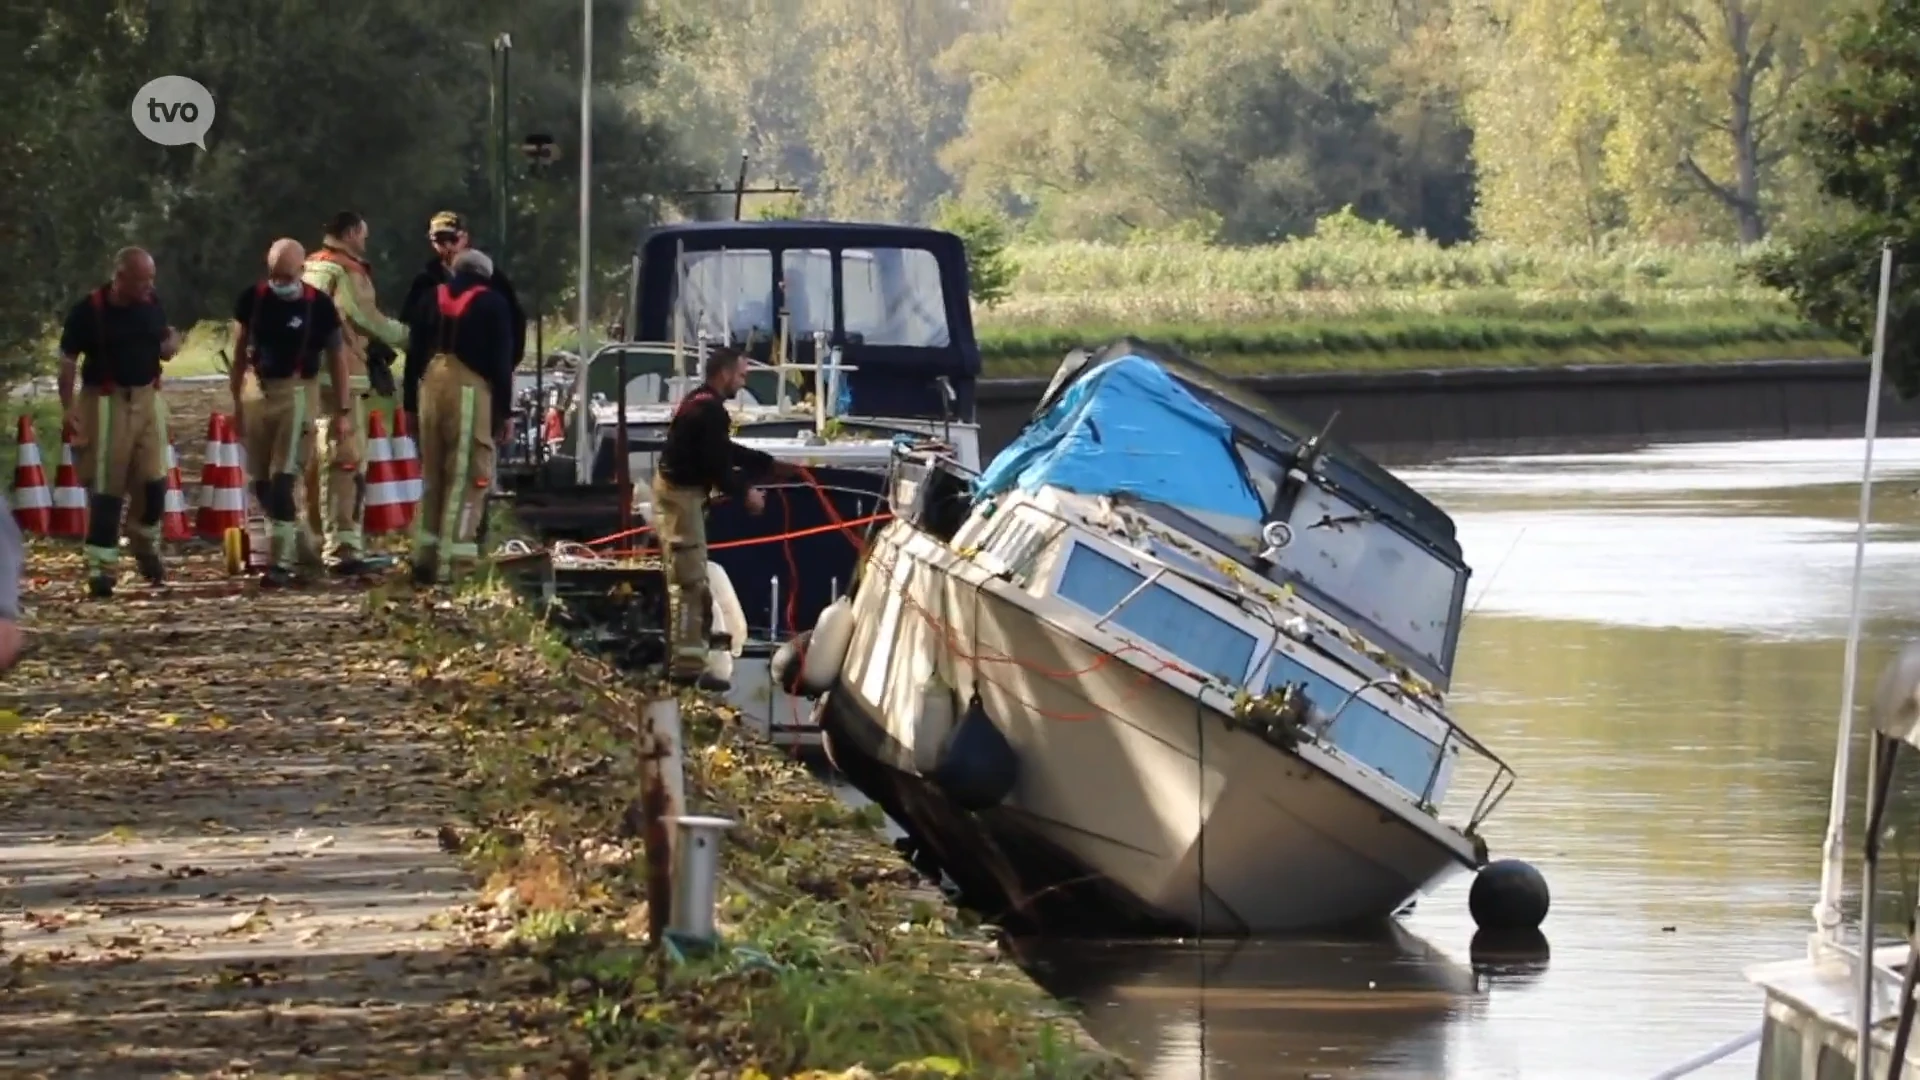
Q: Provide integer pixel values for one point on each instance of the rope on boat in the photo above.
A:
(1725, 1049)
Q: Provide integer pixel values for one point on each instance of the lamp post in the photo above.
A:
(502, 50)
(540, 152)
(586, 214)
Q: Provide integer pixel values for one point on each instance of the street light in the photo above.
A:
(540, 152)
(586, 215)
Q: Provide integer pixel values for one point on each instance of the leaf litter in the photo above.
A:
(336, 834)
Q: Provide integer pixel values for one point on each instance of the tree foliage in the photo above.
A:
(1863, 141)
(990, 267)
(382, 107)
(1593, 122)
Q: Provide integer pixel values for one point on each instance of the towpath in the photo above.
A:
(221, 844)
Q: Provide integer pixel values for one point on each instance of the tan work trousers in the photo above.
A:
(456, 461)
(336, 476)
(680, 521)
(121, 443)
(279, 442)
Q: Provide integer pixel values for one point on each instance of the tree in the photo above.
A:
(376, 106)
(1864, 143)
(990, 268)
(1657, 118)
(1108, 118)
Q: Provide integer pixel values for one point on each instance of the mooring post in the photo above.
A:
(663, 798)
(694, 890)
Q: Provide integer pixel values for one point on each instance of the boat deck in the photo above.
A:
(1812, 1008)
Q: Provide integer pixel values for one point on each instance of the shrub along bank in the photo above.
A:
(834, 955)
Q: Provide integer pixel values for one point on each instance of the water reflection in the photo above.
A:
(1373, 1006)
(1659, 658)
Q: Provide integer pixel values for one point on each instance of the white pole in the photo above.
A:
(1826, 912)
(584, 465)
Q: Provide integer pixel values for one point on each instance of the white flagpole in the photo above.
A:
(1826, 912)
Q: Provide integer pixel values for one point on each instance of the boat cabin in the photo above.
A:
(890, 299)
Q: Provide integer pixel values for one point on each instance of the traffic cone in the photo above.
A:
(32, 502)
(386, 506)
(406, 454)
(223, 480)
(69, 498)
(173, 521)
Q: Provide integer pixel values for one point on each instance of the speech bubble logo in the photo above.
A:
(173, 110)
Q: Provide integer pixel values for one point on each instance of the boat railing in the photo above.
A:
(1455, 738)
(1448, 757)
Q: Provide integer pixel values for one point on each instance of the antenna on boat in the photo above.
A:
(1826, 911)
(740, 190)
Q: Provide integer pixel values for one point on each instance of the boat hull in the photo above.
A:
(1134, 808)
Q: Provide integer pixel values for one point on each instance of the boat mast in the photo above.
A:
(1826, 911)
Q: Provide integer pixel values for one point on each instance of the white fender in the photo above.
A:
(827, 648)
(728, 616)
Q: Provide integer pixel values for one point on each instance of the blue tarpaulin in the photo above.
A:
(1128, 428)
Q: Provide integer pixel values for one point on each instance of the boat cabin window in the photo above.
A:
(808, 276)
(1157, 614)
(1363, 732)
(1367, 567)
(729, 294)
(893, 298)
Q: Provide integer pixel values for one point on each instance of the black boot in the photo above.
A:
(151, 568)
(426, 573)
(103, 532)
(279, 577)
(348, 565)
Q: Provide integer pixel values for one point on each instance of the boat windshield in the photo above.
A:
(889, 296)
(1368, 569)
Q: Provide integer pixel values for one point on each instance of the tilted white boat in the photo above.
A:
(1169, 662)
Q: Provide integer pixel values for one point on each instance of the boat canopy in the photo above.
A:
(1126, 427)
(892, 299)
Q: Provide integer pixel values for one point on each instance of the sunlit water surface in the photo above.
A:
(1655, 646)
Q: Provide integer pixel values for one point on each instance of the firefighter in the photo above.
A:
(698, 458)
(117, 421)
(282, 327)
(464, 396)
(340, 270)
(448, 234)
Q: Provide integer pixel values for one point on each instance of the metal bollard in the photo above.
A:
(693, 878)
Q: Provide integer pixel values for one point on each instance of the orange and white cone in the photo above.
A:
(32, 502)
(69, 498)
(173, 520)
(223, 482)
(406, 454)
(386, 507)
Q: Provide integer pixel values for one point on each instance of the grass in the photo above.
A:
(1372, 304)
(833, 956)
(1399, 345)
(1311, 264)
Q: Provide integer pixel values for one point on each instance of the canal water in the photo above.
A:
(1655, 646)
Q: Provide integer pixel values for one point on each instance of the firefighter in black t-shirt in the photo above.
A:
(118, 337)
(282, 327)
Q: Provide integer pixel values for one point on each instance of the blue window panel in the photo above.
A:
(1363, 732)
(1158, 615)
